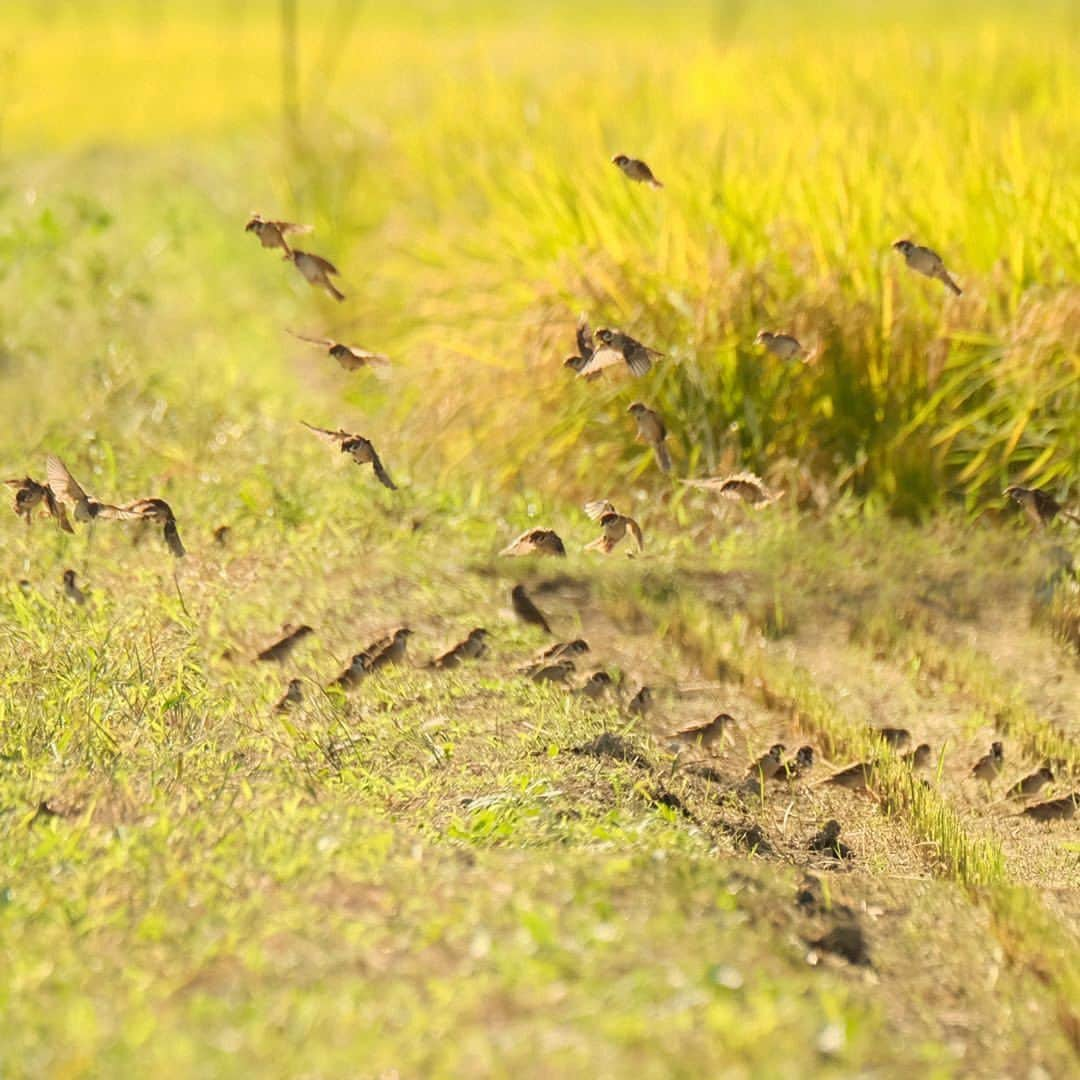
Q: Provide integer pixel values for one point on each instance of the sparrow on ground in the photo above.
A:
(651, 430)
(30, 494)
(158, 512)
(896, 737)
(585, 350)
(596, 685)
(83, 507)
(768, 765)
(989, 765)
(316, 271)
(292, 697)
(221, 535)
(393, 652)
(361, 450)
(747, 487)
(1055, 810)
(536, 542)
(615, 347)
(706, 733)
(72, 591)
(641, 703)
(356, 670)
(926, 262)
(350, 357)
(827, 840)
(272, 234)
(526, 610)
(798, 766)
(918, 758)
(577, 647)
(782, 346)
(1032, 784)
(471, 647)
(283, 648)
(854, 777)
(636, 170)
(1039, 505)
(615, 526)
(559, 671)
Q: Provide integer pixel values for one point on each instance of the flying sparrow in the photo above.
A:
(83, 508)
(641, 702)
(292, 697)
(1032, 784)
(918, 758)
(768, 765)
(615, 526)
(990, 765)
(536, 542)
(854, 777)
(272, 234)
(926, 262)
(782, 346)
(615, 347)
(706, 733)
(316, 271)
(651, 430)
(749, 488)
(350, 357)
(1055, 810)
(71, 590)
(471, 647)
(361, 450)
(282, 649)
(158, 512)
(636, 170)
(798, 766)
(526, 610)
(30, 494)
(1039, 505)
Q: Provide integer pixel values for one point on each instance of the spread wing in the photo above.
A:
(596, 509)
(584, 339)
(336, 437)
(353, 358)
(635, 531)
(284, 227)
(108, 512)
(64, 485)
(324, 342)
(323, 264)
(172, 538)
(601, 359)
(380, 471)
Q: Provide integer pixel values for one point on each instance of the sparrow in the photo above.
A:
(616, 347)
(158, 512)
(282, 649)
(29, 494)
(636, 170)
(749, 488)
(918, 758)
(559, 671)
(350, 357)
(1032, 784)
(782, 346)
(361, 450)
(989, 765)
(926, 262)
(651, 430)
(596, 685)
(768, 765)
(293, 696)
(526, 610)
(221, 535)
(585, 350)
(316, 270)
(1055, 810)
(854, 777)
(1039, 505)
(798, 766)
(83, 508)
(706, 733)
(897, 738)
(393, 652)
(641, 702)
(272, 234)
(615, 526)
(352, 674)
(471, 647)
(536, 542)
(577, 647)
(827, 840)
(71, 590)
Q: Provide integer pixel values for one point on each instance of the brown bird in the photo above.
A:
(352, 674)
(615, 347)
(292, 697)
(651, 430)
(585, 350)
(782, 346)
(272, 234)
(361, 450)
(596, 685)
(896, 737)
(470, 648)
(827, 840)
(350, 357)
(316, 271)
(636, 170)
(72, 591)
(83, 507)
(926, 262)
(768, 765)
(559, 671)
(615, 526)
(854, 777)
(536, 542)
(30, 494)
(1055, 810)
(641, 703)
(745, 486)
(393, 652)
(282, 649)
(158, 512)
(526, 610)
(989, 765)
(577, 647)
(918, 758)
(221, 535)
(798, 766)
(1039, 505)
(1032, 784)
(706, 733)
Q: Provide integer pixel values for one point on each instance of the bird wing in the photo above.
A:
(325, 342)
(172, 539)
(56, 509)
(639, 359)
(64, 485)
(108, 512)
(600, 359)
(358, 358)
(635, 530)
(284, 227)
(323, 264)
(596, 509)
(585, 339)
(380, 471)
(326, 434)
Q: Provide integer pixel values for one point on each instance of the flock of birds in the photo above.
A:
(63, 499)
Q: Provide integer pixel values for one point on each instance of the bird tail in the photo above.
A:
(663, 458)
(334, 291)
(950, 284)
(653, 182)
